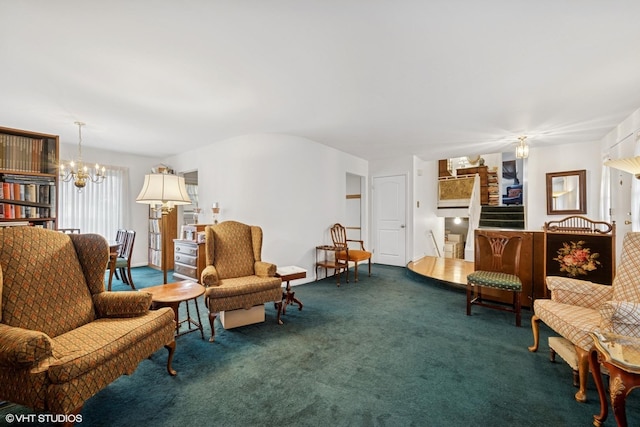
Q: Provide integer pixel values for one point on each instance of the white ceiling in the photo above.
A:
(374, 78)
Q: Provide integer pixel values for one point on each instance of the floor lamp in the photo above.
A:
(164, 191)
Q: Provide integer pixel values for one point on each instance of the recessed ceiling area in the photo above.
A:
(373, 78)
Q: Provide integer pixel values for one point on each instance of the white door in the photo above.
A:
(389, 198)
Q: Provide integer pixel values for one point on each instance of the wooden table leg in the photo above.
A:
(594, 364)
(621, 383)
(289, 297)
(174, 306)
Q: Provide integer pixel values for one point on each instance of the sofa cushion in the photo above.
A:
(41, 271)
(570, 321)
(243, 285)
(87, 347)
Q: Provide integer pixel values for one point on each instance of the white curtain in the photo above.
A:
(98, 208)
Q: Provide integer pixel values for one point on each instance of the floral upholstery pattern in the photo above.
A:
(235, 276)
(578, 307)
(62, 337)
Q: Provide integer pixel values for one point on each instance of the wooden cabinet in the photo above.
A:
(189, 259)
(155, 238)
(531, 268)
(28, 178)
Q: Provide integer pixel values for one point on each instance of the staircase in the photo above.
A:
(511, 217)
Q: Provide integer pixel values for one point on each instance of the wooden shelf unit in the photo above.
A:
(155, 238)
(29, 178)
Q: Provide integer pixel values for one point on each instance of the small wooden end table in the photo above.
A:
(621, 356)
(171, 295)
(287, 274)
(335, 264)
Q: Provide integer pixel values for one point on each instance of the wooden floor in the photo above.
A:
(448, 269)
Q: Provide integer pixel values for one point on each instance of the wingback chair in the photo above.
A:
(578, 307)
(62, 337)
(235, 276)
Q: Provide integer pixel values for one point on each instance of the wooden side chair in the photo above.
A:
(123, 262)
(497, 266)
(339, 237)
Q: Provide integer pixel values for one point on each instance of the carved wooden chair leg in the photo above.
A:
(212, 318)
(535, 328)
(583, 374)
(172, 349)
(279, 309)
(517, 308)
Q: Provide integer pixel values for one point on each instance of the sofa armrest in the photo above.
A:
(578, 292)
(265, 269)
(621, 317)
(209, 276)
(23, 348)
(122, 304)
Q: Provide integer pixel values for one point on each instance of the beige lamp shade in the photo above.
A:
(164, 189)
(631, 165)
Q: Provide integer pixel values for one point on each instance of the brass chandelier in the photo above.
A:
(78, 172)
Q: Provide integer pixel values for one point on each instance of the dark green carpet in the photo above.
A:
(391, 350)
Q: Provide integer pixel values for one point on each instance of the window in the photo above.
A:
(98, 208)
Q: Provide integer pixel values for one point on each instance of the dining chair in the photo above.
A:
(121, 234)
(497, 266)
(123, 261)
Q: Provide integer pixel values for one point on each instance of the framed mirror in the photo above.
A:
(567, 192)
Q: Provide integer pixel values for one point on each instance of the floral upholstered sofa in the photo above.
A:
(62, 337)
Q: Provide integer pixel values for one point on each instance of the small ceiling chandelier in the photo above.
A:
(522, 150)
(78, 172)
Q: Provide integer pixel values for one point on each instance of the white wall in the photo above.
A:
(138, 166)
(425, 216)
(559, 158)
(292, 187)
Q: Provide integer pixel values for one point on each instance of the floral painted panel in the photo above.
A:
(580, 256)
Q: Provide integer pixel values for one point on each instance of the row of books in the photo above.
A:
(21, 153)
(155, 241)
(51, 225)
(155, 257)
(39, 200)
(154, 226)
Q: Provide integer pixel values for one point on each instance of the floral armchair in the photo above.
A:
(235, 276)
(62, 337)
(578, 307)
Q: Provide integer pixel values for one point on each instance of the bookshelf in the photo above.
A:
(28, 178)
(155, 238)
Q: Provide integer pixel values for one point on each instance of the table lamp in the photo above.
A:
(164, 191)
